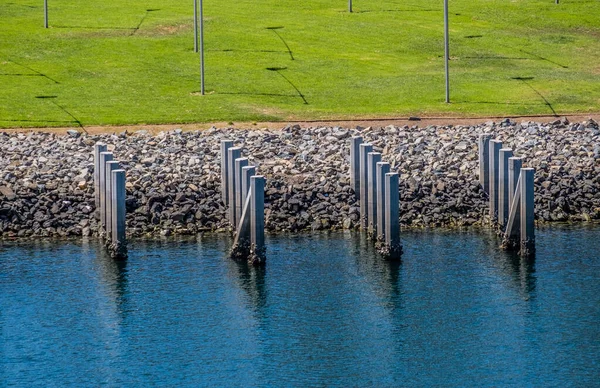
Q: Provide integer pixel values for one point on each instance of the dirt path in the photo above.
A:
(401, 121)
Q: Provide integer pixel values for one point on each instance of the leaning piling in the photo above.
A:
(245, 198)
(511, 196)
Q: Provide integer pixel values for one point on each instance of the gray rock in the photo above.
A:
(73, 133)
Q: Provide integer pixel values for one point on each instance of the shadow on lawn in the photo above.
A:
(278, 71)
(247, 51)
(37, 121)
(274, 29)
(132, 29)
(37, 73)
(525, 81)
(396, 10)
(51, 99)
(258, 94)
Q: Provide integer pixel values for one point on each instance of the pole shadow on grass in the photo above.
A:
(143, 19)
(51, 99)
(246, 51)
(535, 56)
(525, 81)
(36, 121)
(259, 94)
(547, 103)
(491, 57)
(274, 29)
(23, 5)
(500, 103)
(95, 28)
(395, 10)
(132, 30)
(278, 71)
(37, 73)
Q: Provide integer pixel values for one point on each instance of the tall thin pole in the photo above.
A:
(349, 5)
(446, 50)
(45, 13)
(195, 26)
(201, 49)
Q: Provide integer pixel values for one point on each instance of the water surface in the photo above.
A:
(326, 311)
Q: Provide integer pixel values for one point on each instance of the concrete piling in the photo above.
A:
(520, 229)
(98, 148)
(514, 171)
(382, 169)
(118, 246)
(365, 149)
(503, 186)
(495, 146)
(237, 170)
(392, 249)
(355, 165)
(511, 239)
(225, 145)
(233, 153)
(110, 167)
(247, 173)
(257, 220)
(241, 243)
(104, 158)
(484, 161)
(527, 212)
(372, 159)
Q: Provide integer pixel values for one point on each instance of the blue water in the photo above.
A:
(326, 311)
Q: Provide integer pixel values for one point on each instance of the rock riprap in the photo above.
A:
(173, 179)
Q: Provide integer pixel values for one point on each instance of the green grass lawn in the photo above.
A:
(131, 62)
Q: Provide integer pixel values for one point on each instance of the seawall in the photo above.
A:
(173, 178)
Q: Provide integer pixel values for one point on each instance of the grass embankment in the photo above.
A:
(121, 62)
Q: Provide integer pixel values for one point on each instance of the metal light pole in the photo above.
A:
(201, 49)
(446, 50)
(349, 5)
(195, 26)
(45, 13)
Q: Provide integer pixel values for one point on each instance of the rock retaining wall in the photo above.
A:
(173, 179)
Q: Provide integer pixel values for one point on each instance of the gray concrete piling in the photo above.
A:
(514, 171)
(118, 246)
(104, 158)
(392, 249)
(110, 167)
(98, 148)
(233, 153)
(257, 220)
(511, 239)
(237, 170)
(225, 145)
(495, 146)
(520, 229)
(372, 159)
(365, 148)
(484, 161)
(527, 212)
(382, 169)
(247, 173)
(503, 185)
(355, 165)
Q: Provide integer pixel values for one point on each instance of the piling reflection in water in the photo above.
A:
(326, 311)
(113, 275)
